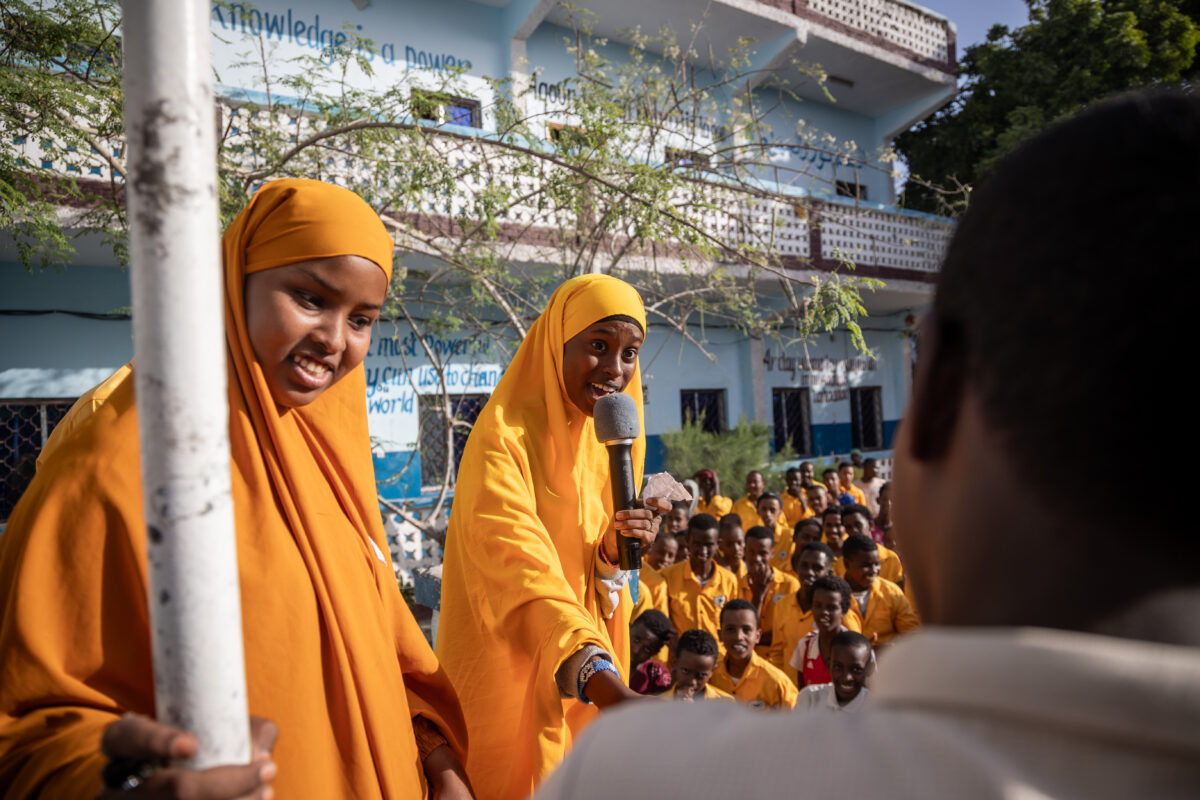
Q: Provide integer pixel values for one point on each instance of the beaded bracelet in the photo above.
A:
(589, 669)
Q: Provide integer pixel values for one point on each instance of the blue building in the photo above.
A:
(888, 64)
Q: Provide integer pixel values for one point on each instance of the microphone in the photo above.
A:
(617, 425)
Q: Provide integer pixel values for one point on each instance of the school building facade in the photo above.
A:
(890, 63)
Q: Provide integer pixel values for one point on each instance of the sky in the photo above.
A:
(974, 17)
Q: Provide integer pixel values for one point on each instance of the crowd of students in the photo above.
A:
(773, 600)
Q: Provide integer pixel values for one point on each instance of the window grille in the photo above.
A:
(866, 418)
(704, 406)
(793, 420)
(25, 425)
(465, 408)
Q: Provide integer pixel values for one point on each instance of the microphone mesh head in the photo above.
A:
(616, 417)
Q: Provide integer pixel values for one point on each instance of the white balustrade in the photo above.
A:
(897, 22)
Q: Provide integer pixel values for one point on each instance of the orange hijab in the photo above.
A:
(332, 653)
(518, 590)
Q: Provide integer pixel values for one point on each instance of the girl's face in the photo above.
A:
(600, 360)
(309, 323)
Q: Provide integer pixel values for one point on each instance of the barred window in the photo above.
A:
(705, 407)
(793, 420)
(25, 425)
(866, 418)
(465, 408)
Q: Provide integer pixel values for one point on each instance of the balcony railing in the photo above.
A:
(798, 230)
(894, 23)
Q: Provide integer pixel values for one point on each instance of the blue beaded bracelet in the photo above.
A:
(590, 669)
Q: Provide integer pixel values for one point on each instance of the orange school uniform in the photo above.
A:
(888, 612)
(719, 506)
(790, 625)
(889, 565)
(780, 587)
(762, 685)
(652, 592)
(794, 509)
(694, 606)
(745, 508)
(710, 693)
(856, 493)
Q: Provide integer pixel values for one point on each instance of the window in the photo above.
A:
(851, 189)
(793, 420)
(686, 158)
(465, 408)
(25, 425)
(866, 418)
(706, 407)
(443, 108)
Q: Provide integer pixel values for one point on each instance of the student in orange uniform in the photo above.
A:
(857, 519)
(884, 609)
(745, 674)
(837, 493)
(333, 656)
(663, 552)
(763, 585)
(731, 544)
(833, 532)
(770, 513)
(695, 661)
(846, 479)
(535, 617)
(675, 523)
(699, 587)
(711, 501)
(652, 586)
(794, 507)
(649, 633)
(746, 505)
(817, 495)
(806, 530)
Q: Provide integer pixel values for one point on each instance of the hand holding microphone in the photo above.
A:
(617, 425)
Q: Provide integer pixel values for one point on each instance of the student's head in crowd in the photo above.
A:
(830, 603)
(850, 665)
(769, 506)
(817, 496)
(832, 529)
(731, 541)
(695, 659)
(676, 520)
(857, 519)
(806, 530)
(754, 484)
(860, 556)
(870, 469)
(808, 473)
(706, 479)
(760, 545)
(1035, 305)
(795, 483)
(832, 484)
(662, 552)
(813, 560)
(702, 543)
(647, 635)
(846, 474)
(739, 629)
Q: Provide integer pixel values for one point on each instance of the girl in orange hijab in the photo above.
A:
(333, 655)
(534, 618)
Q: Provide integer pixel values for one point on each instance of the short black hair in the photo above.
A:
(816, 487)
(820, 547)
(807, 521)
(681, 505)
(757, 472)
(760, 532)
(738, 604)
(768, 496)
(849, 639)
(703, 522)
(856, 509)
(843, 465)
(828, 471)
(858, 543)
(696, 641)
(1036, 302)
(792, 471)
(832, 511)
(870, 462)
(728, 521)
(657, 623)
(832, 583)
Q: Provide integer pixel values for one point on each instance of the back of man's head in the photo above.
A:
(1060, 292)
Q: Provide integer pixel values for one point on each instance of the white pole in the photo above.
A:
(179, 372)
